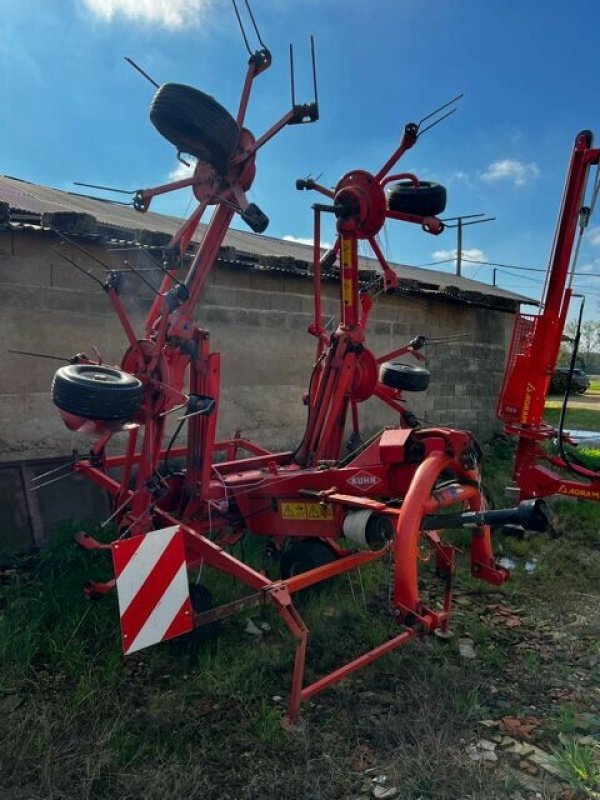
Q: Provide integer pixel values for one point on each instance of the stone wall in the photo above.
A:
(258, 321)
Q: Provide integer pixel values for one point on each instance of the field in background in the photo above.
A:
(583, 410)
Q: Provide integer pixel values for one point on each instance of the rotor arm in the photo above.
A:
(298, 115)
(431, 225)
(409, 138)
(308, 183)
(257, 63)
(143, 197)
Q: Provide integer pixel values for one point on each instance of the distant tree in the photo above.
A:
(588, 355)
(590, 337)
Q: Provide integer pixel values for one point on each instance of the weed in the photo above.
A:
(531, 660)
(468, 702)
(265, 724)
(580, 767)
(479, 631)
(566, 722)
(492, 658)
(511, 784)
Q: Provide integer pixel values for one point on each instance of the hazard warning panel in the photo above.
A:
(152, 586)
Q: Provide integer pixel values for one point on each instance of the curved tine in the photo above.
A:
(87, 272)
(65, 238)
(436, 122)
(104, 188)
(258, 36)
(239, 19)
(39, 355)
(441, 108)
(141, 71)
(314, 68)
(141, 277)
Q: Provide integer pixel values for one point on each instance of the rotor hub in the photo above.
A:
(361, 204)
(365, 378)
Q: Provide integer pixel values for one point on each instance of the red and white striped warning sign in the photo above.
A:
(152, 586)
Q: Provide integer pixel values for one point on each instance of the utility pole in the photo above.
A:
(475, 220)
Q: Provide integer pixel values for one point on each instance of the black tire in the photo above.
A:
(404, 376)
(97, 392)
(303, 556)
(425, 200)
(195, 123)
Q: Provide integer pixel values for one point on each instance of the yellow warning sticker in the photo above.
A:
(347, 292)
(319, 511)
(346, 252)
(309, 511)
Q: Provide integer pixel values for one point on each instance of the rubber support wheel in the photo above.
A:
(425, 200)
(404, 376)
(97, 392)
(195, 123)
(303, 556)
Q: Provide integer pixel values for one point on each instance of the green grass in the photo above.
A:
(579, 767)
(84, 722)
(167, 725)
(594, 386)
(588, 456)
(587, 419)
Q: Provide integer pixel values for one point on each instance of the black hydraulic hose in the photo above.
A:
(308, 404)
(571, 461)
(167, 468)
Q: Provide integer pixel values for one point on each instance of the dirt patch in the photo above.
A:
(589, 400)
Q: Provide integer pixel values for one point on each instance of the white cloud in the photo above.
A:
(457, 179)
(594, 236)
(303, 240)
(180, 172)
(589, 266)
(458, 175)
(473, 254)
(509, 169)
(170, 14)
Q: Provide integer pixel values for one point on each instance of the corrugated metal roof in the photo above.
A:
(26, 198)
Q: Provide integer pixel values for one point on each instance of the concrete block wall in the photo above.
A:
(258, 321)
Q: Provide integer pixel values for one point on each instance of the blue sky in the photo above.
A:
(73, 110)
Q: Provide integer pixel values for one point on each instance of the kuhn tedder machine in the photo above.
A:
(534, 352)
(325, 512)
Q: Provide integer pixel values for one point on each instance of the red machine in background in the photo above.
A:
(325, 513)
(535, 348)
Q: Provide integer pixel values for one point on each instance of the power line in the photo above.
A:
(533, 280)
(508, 266)
(474, 262)
(521, 277)
(526, 269)
(435, 263)
(474, 219)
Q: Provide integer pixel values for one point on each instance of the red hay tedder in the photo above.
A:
(535, 348)
(324, 511)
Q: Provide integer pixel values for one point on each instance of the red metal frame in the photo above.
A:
(310, 492)
(534, 352)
